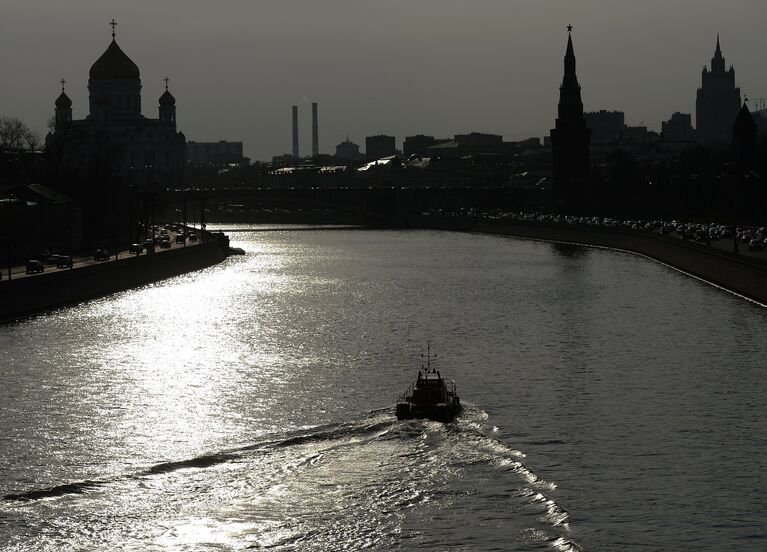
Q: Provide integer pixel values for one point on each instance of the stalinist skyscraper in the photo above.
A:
(718, 103)
(570, 139)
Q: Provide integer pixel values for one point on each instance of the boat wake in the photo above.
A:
(373, 482)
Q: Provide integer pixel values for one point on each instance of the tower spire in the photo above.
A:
(63, 82)
(570, 138)
(570, 91)
(717, 63)
(166, 79)
(113, 24)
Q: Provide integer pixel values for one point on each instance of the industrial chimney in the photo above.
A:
(295, 132)
(315, 132)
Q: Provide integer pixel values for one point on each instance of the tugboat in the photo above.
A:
(430, 396)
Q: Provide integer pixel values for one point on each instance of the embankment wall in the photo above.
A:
(741, 274)
(27, 296)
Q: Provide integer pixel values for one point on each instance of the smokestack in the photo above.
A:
(295, 132)
(315, 132)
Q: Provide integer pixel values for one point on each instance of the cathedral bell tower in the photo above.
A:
(168, 107)
(63, 108)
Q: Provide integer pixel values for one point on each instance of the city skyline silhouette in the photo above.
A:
(381, 71)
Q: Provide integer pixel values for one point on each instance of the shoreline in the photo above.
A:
(26, 297)
(744, 276)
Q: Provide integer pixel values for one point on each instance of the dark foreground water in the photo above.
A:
(611, 404)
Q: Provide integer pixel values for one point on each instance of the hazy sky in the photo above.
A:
(397, 67)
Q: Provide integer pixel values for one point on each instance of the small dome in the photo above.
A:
(63, 100)
(167, 98)
(114, 64)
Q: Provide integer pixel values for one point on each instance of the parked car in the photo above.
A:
(64, 261)
(755, 245)
(180, 238)
(52, 259)
(135, 249)
(165, 242)
(701, 235)
(101, 255)
(192, 237)
(34, 266)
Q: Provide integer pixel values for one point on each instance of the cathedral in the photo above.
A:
(718, 103)
(138, 151)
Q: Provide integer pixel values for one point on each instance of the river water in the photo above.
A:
(611, 403)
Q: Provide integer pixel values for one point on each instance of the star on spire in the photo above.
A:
(113, 23)
(569, 28)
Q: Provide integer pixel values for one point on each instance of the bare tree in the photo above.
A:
(15, 136)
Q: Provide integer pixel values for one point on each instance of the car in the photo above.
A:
(101, 255)
(64, 261)
(192, 237)
(755, 245)
(52, 259)
(165, 242)
(34, 266)
(135, 249)
(180, 238)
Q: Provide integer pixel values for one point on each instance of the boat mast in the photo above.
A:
(428, 356)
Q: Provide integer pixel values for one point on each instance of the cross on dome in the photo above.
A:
(113, 23)
(63, 82)
(166, 79)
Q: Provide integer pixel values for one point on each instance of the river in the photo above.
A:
(611, 403)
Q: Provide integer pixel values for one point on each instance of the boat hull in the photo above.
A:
(437, 413)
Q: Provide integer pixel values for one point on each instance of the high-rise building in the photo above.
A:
(419, 144)
(718, 102)
(570, 138)
(377, 147)
(760, 118)
(348, 151)
(214, 153)
(606, 126)
(678, 128)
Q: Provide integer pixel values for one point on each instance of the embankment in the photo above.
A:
(744, 275)
(57, 288)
